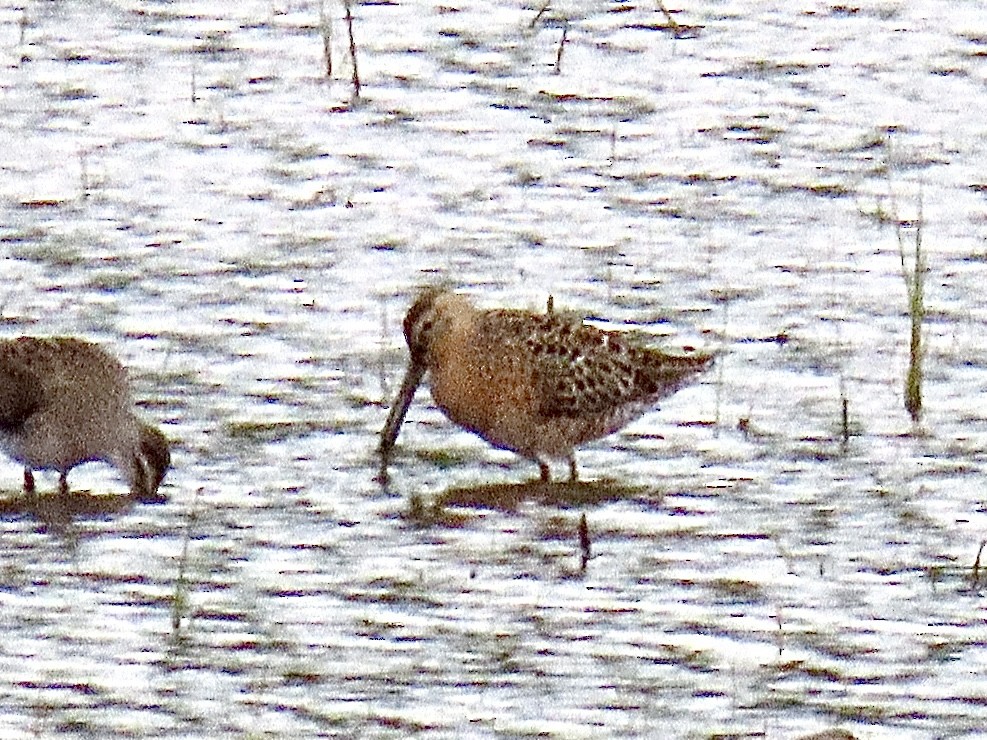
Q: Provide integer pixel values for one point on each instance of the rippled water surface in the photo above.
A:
(181, 182)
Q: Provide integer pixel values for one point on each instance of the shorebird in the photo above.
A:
(538, 384)
(65, 401)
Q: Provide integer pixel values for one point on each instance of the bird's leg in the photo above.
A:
(546, 472)
(63, 482)
(29, 481)
(573, 472)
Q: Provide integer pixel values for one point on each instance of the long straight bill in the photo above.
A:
(412, 379)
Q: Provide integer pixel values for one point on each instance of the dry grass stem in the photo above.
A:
(349, 29)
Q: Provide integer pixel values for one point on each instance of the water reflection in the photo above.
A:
(59, 509)
(508, 497)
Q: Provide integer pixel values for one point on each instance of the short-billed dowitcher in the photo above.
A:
(65, 401)
(539, 384)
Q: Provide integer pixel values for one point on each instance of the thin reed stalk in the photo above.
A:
(349, 29)
(325, 29)
(915, 286)
(558, 56)
(913, 273)
(180, 605)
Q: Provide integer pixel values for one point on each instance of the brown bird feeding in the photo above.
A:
(64, 402)
(538, 384)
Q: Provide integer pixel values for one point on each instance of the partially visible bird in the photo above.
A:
(539, 384)
(65, 401)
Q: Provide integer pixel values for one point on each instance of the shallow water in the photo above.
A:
(182, 183)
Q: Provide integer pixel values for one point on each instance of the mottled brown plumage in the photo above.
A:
(65, 401)
(536, 384)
